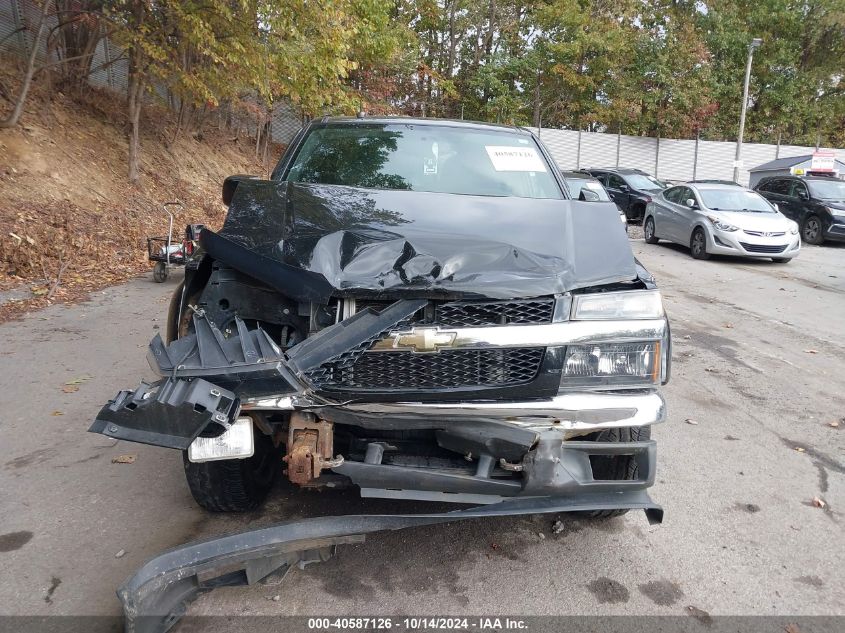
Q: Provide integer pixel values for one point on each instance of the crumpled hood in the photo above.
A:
(429, 243)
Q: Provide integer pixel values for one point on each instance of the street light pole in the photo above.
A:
(755, 43)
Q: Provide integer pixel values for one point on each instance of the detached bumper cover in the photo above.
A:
(158, 594)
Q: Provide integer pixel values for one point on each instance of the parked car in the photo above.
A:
(724, 219)
(413, 307)
(816, 203)
(583, 186)
(631, 189)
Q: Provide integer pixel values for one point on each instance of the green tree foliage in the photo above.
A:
(672, 68)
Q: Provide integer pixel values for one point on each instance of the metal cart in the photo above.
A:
(165, 252)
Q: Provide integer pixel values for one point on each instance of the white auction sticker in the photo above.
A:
(509, 158)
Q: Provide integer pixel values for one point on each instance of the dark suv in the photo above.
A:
(631, 189)
(817, 203)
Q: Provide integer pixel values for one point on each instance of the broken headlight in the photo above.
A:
(613, 364)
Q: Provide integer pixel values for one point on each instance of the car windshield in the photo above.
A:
(430, 158)
(827, 189)
(644, 181)
(734, 199)
(576, 184)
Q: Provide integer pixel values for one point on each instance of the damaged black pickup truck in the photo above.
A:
(415, 307)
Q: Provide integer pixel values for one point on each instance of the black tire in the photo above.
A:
(636, 213)
(617, 467)
(811, 230)
(160, 272)
(648, 232)
(781, 260)
(235, 485)
(698, 245)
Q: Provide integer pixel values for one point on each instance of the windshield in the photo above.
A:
(575, 186)
(827, 189)
(734, 199)
(642, 181)
(431, 158)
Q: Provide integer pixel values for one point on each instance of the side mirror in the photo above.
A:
(776, 206)
(803, 195)
(690, 202)
(588, 196)
(624, 188)
(231, 184)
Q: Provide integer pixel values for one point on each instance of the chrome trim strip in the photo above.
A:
(579, 411)
(545, 335)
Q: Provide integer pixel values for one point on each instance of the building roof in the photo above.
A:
(784, 163)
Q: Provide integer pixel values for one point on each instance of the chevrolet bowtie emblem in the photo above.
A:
(422, 340)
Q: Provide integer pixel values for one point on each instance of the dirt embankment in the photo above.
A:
(69, 221)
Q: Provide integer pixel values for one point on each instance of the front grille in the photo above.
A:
(761, 233)
(445, 369)
(482, 313)
(762, 248)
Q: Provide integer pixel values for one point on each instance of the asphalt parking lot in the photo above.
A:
(759, 360)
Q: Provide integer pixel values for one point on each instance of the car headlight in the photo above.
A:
(629, 304)
(628, 364)
(722, 226)
(793, 230)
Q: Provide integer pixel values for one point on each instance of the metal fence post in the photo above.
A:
(618, 143)
(695, 156)
(19, 26)
(107, 56)
(578, 155)
(657, 156)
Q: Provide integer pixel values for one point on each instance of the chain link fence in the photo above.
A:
(110, 67)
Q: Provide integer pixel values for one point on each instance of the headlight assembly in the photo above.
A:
(793, 230)
(634, 304)
(722, 226)
(620, 364)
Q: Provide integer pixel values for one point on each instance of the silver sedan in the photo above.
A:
(721, 218)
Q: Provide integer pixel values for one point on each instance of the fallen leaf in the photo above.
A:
(792, 628)
(835, 424)
(120, 554)
(687, 337)
(811, 351)
(124, 459)
(711, 369)
(78, 381)
(541, 536)
(557, 527)
(800, 449)
(691, 421)
(819, 502)
(700, 614)
(69, 388)
(57, 413)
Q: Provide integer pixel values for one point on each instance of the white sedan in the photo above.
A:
(721, 218)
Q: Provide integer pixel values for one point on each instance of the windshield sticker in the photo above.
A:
(430, 164)
(509, 158)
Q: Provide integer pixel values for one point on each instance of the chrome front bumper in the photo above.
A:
(580, 411)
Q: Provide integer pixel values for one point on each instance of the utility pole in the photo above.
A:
(755, 43)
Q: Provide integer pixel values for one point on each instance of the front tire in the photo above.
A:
(698, 245)
(811, 231)
(235, 485)
(617, 467)
(648, 232)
